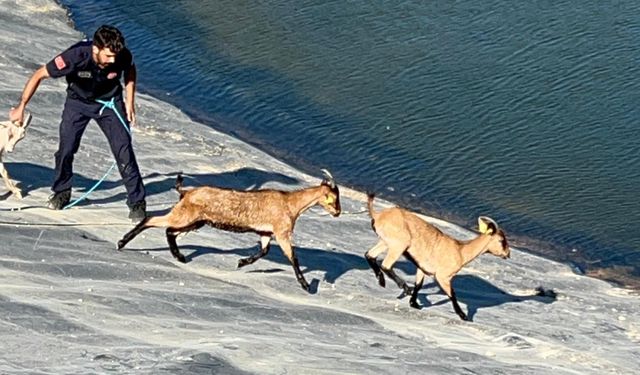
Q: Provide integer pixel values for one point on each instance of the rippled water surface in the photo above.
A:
(524, 111)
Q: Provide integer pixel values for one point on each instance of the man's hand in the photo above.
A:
(131, 114)
(16, 114)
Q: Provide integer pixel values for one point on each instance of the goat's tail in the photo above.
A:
(179, 188)
(370, 197)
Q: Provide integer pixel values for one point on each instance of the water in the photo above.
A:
(525, 112)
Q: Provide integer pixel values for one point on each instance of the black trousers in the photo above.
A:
(75, 117)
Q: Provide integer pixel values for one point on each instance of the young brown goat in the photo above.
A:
(433, 252)
(265, 212)
(10, 134)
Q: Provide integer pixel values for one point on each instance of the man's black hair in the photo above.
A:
(108, 37)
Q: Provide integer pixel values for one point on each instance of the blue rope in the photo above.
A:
(105, 104)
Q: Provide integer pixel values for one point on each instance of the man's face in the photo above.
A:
(103, 56)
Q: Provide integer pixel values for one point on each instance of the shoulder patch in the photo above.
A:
(60, 64)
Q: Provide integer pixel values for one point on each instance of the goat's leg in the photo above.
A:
(172, 233)
(413, 302)
(387, 267)
(445, 284)
(285, 244)
(8, 182)
(265, 238)
(371, 256)
(173, 245)
(141, 226)
(168, 220)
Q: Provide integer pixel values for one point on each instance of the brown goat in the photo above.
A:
(433, 252)
(265, 212)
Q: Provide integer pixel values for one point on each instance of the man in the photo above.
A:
(93, 70)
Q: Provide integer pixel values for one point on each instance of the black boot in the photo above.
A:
(59, 200)
(138, 211)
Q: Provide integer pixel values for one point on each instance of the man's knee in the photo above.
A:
(129, 170)
(124, 154)
(66, 150)
(127, 162)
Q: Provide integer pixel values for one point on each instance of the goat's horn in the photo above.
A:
(27, 119)
(329, 178)
(484, 225)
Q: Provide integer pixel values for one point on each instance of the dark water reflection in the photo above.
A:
(526, 112)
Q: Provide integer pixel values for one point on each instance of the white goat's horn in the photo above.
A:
(27, 119)
(329, 177)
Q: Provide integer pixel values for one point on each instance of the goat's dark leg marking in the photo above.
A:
(172, 233)
(296, 269)
(133, 233)
(413, 302)
(376, 269)
(420, 275)
(394, 253)
(173, 245)
(371, 255)
(285, 244)
(399, 281)
(456, 307)
(251, 259)
(445, 284)
(265, 238)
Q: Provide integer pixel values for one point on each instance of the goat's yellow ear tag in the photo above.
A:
(483, 227)
(329, 199)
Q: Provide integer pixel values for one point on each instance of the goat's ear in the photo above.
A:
(487, 225)
(329, 199)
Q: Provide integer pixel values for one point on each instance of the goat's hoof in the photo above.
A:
(465, 318)
(305, 286)
(242, 262)
(415, 305)
(407, 290)
(181, 258)
(381, 282)
(120, 245)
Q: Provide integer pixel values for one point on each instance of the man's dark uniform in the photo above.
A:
(86, 83)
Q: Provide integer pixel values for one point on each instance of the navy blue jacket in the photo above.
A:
(86, 81)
